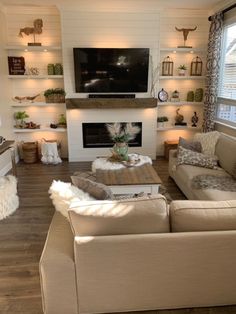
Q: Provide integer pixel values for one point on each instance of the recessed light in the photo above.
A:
(45, 50)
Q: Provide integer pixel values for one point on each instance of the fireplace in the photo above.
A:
(95, 135)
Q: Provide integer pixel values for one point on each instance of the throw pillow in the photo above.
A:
(191, 145)
(188, 157)
(208, 141)
(64, 195)
(97, 190)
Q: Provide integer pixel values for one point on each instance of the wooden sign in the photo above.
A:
(16, 65)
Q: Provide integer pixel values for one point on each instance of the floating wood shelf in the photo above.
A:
(110, 103)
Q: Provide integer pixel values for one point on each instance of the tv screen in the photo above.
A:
(116, 70)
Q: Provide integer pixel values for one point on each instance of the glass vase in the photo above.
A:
(121, 149)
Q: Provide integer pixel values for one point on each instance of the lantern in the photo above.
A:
(196, 67)
(167, 66)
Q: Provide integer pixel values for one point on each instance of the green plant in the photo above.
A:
(162, 119)
(53, 91)
(21, 115)
(182, 67)
(120, 133)
(62, 119)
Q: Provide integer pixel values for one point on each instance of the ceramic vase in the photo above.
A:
(121, 149)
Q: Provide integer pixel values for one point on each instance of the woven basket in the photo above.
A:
(55, 98)
(30, 152)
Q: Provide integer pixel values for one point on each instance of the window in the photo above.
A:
(226, 111)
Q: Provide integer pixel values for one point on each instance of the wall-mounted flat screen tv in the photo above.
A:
(111, 70)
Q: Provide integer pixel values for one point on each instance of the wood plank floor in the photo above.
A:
(23, 234)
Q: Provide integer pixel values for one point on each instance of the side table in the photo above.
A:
(9, 145)
(168, 145)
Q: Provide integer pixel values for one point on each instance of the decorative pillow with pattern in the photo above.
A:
(188, 157)
(208, 141)
(191, 145)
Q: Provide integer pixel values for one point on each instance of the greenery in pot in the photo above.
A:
(182, 67)
(162, 119)
(62, 120)
(55, 95)
(21, 116)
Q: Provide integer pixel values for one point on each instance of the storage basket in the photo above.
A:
(30, 152)
(55, 98)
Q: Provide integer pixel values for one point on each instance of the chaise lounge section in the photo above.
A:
(183, 175)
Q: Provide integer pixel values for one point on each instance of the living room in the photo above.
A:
(182, 95)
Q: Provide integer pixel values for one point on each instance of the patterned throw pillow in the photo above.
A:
(188, 157)
(208, 141)
(191, 145)
(97, 190)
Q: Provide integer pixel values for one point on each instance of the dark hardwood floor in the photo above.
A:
(23, 234)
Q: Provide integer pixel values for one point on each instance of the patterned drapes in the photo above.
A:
(212, 71)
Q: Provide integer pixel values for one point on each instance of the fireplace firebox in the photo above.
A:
(95, 135)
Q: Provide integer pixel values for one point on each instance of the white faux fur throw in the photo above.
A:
(64, 195)
(104, 164)
(9, 200)
(50, 153)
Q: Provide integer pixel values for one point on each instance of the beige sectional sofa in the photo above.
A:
(225, 150)
(139, 254)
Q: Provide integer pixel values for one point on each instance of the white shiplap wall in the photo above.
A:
(135, 24)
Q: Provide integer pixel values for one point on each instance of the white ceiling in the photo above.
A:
(180, 4)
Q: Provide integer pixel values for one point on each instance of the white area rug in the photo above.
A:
(9, 200)
(104, 164)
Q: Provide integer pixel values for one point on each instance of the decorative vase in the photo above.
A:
(121, 149)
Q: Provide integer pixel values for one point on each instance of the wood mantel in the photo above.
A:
(110, 103)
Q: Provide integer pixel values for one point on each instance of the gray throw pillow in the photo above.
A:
(191, 145)
(94, 189)
(188, 157)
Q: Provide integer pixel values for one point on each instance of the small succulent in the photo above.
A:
(162, 119)
(182, 67)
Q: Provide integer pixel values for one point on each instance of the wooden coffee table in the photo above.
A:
(130, 180)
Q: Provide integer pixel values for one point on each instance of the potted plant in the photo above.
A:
(161, 121)
(182, 69)
(62, 121)
(20, 117)
(55, 95)
(121, 134)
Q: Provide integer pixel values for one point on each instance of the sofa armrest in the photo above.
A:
(155, 271)
(172, 161)
(57, 269)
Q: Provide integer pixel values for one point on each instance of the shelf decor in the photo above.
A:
(36, 29)
(167, 66)
(196, 67)
(16, 65)
(55, 95)
(185, 35)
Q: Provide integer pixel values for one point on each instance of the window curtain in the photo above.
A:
(212, 71)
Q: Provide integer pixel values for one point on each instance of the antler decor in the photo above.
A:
(185, 34)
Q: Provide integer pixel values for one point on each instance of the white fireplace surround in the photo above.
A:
(75, 118)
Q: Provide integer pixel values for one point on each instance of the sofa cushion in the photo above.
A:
(142, 215)
(191, 145)
(226, 152)
(188, 157)
(202, 215)
(97, 190)
(208, 141)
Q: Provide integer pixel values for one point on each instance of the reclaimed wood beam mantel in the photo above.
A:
(110, 103)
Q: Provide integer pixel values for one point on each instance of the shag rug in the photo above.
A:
(9, 201)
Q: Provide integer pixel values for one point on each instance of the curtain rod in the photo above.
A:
(225, 10)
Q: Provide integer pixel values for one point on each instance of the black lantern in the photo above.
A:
(167, 66)
(196, 67)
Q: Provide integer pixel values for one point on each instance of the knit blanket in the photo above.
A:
(222, 183)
